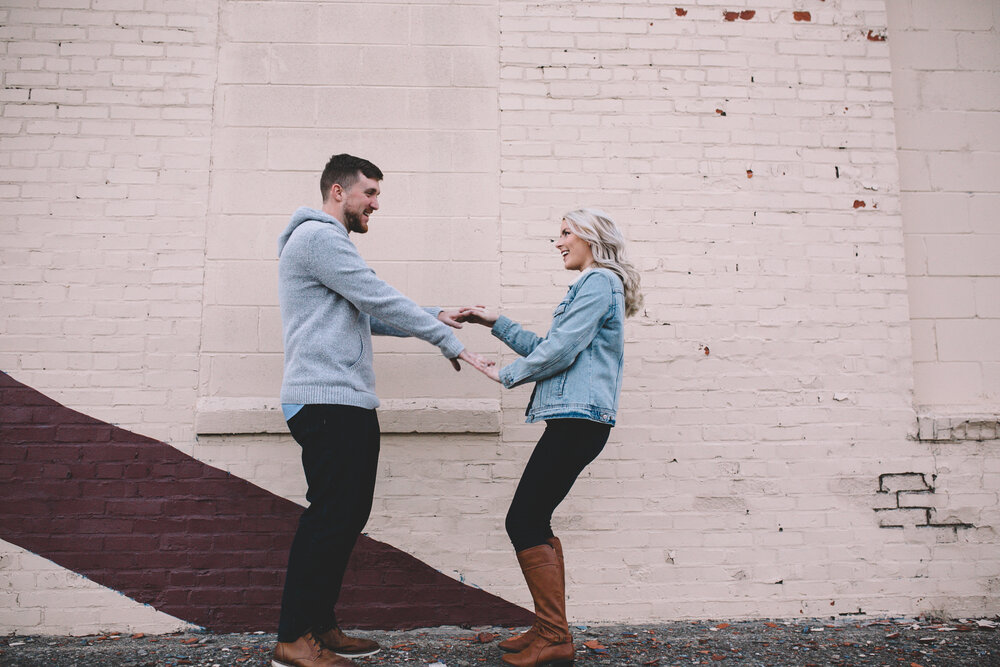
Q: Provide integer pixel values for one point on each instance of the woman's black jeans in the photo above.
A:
(563, 451)
(340, 447)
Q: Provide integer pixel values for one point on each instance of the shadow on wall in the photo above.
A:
(138, 516)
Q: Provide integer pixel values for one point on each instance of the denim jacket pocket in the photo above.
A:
(559, 384)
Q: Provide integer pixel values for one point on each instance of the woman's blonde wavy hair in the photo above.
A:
(608, 247)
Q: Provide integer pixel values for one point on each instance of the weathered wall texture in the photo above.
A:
(107, 135)
(104, 163)
(946, 96)
(768, 459)
(416, 94)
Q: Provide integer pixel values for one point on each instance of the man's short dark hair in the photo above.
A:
(343, 169)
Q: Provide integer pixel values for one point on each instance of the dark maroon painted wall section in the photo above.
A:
(138, 516)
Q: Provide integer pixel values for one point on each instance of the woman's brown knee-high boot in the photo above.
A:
(552, 645)
(521, 641)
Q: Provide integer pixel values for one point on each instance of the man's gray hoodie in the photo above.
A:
(331, 303)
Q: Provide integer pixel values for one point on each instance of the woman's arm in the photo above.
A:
(573, 332)
(453, 319)
(510, 332)
(515, 336)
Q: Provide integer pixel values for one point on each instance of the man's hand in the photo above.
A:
(452, 318)
(477, 315)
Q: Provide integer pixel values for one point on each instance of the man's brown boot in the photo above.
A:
(306, 651)
(521, 641)
(552, 645)
(349, 647)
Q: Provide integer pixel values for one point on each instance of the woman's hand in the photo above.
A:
(477, 361)
(492, 372)
(485, 366)
(477, 315)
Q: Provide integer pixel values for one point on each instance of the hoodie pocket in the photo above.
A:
(361, 349)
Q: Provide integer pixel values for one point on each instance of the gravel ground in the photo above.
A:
(801, 643)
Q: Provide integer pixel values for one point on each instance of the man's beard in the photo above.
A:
(354, 223)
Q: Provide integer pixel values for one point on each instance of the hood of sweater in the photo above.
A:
(304, 214)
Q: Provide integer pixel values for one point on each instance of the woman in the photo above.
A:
(577, 368)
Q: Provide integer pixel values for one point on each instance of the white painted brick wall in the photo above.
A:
(797, 290)
(947, 93)
(107, 179)
(104, 157)
(40, 597)
(147, 168)
(299, 83)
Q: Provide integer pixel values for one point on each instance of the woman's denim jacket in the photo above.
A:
(578, 365)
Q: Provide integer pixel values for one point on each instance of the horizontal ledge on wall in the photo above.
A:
(244, 416)
(958, 428)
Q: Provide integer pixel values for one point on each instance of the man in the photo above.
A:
(331, 304)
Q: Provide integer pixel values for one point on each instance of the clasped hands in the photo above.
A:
(475, 315)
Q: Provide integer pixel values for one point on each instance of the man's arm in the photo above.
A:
(380, 328)
(335, 262)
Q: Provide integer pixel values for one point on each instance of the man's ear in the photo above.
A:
(336, 192)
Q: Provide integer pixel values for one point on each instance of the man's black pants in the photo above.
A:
(340, 447)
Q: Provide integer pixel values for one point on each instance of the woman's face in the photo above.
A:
(575, 252)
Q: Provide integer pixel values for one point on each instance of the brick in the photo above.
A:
(951, 384)
(956, 340)
(934, 49)
(936, 212)
(240, 283)
(937, 130)
(400, 65)
(927, 14)
(257, 193)
(970, 91)
(264, 105)
(893, 482)
(942, 298)
(958, 255)
(987, 297)
(230, 329)
(454, 25)
(978, 50)
(949, 172)
(243, 63)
